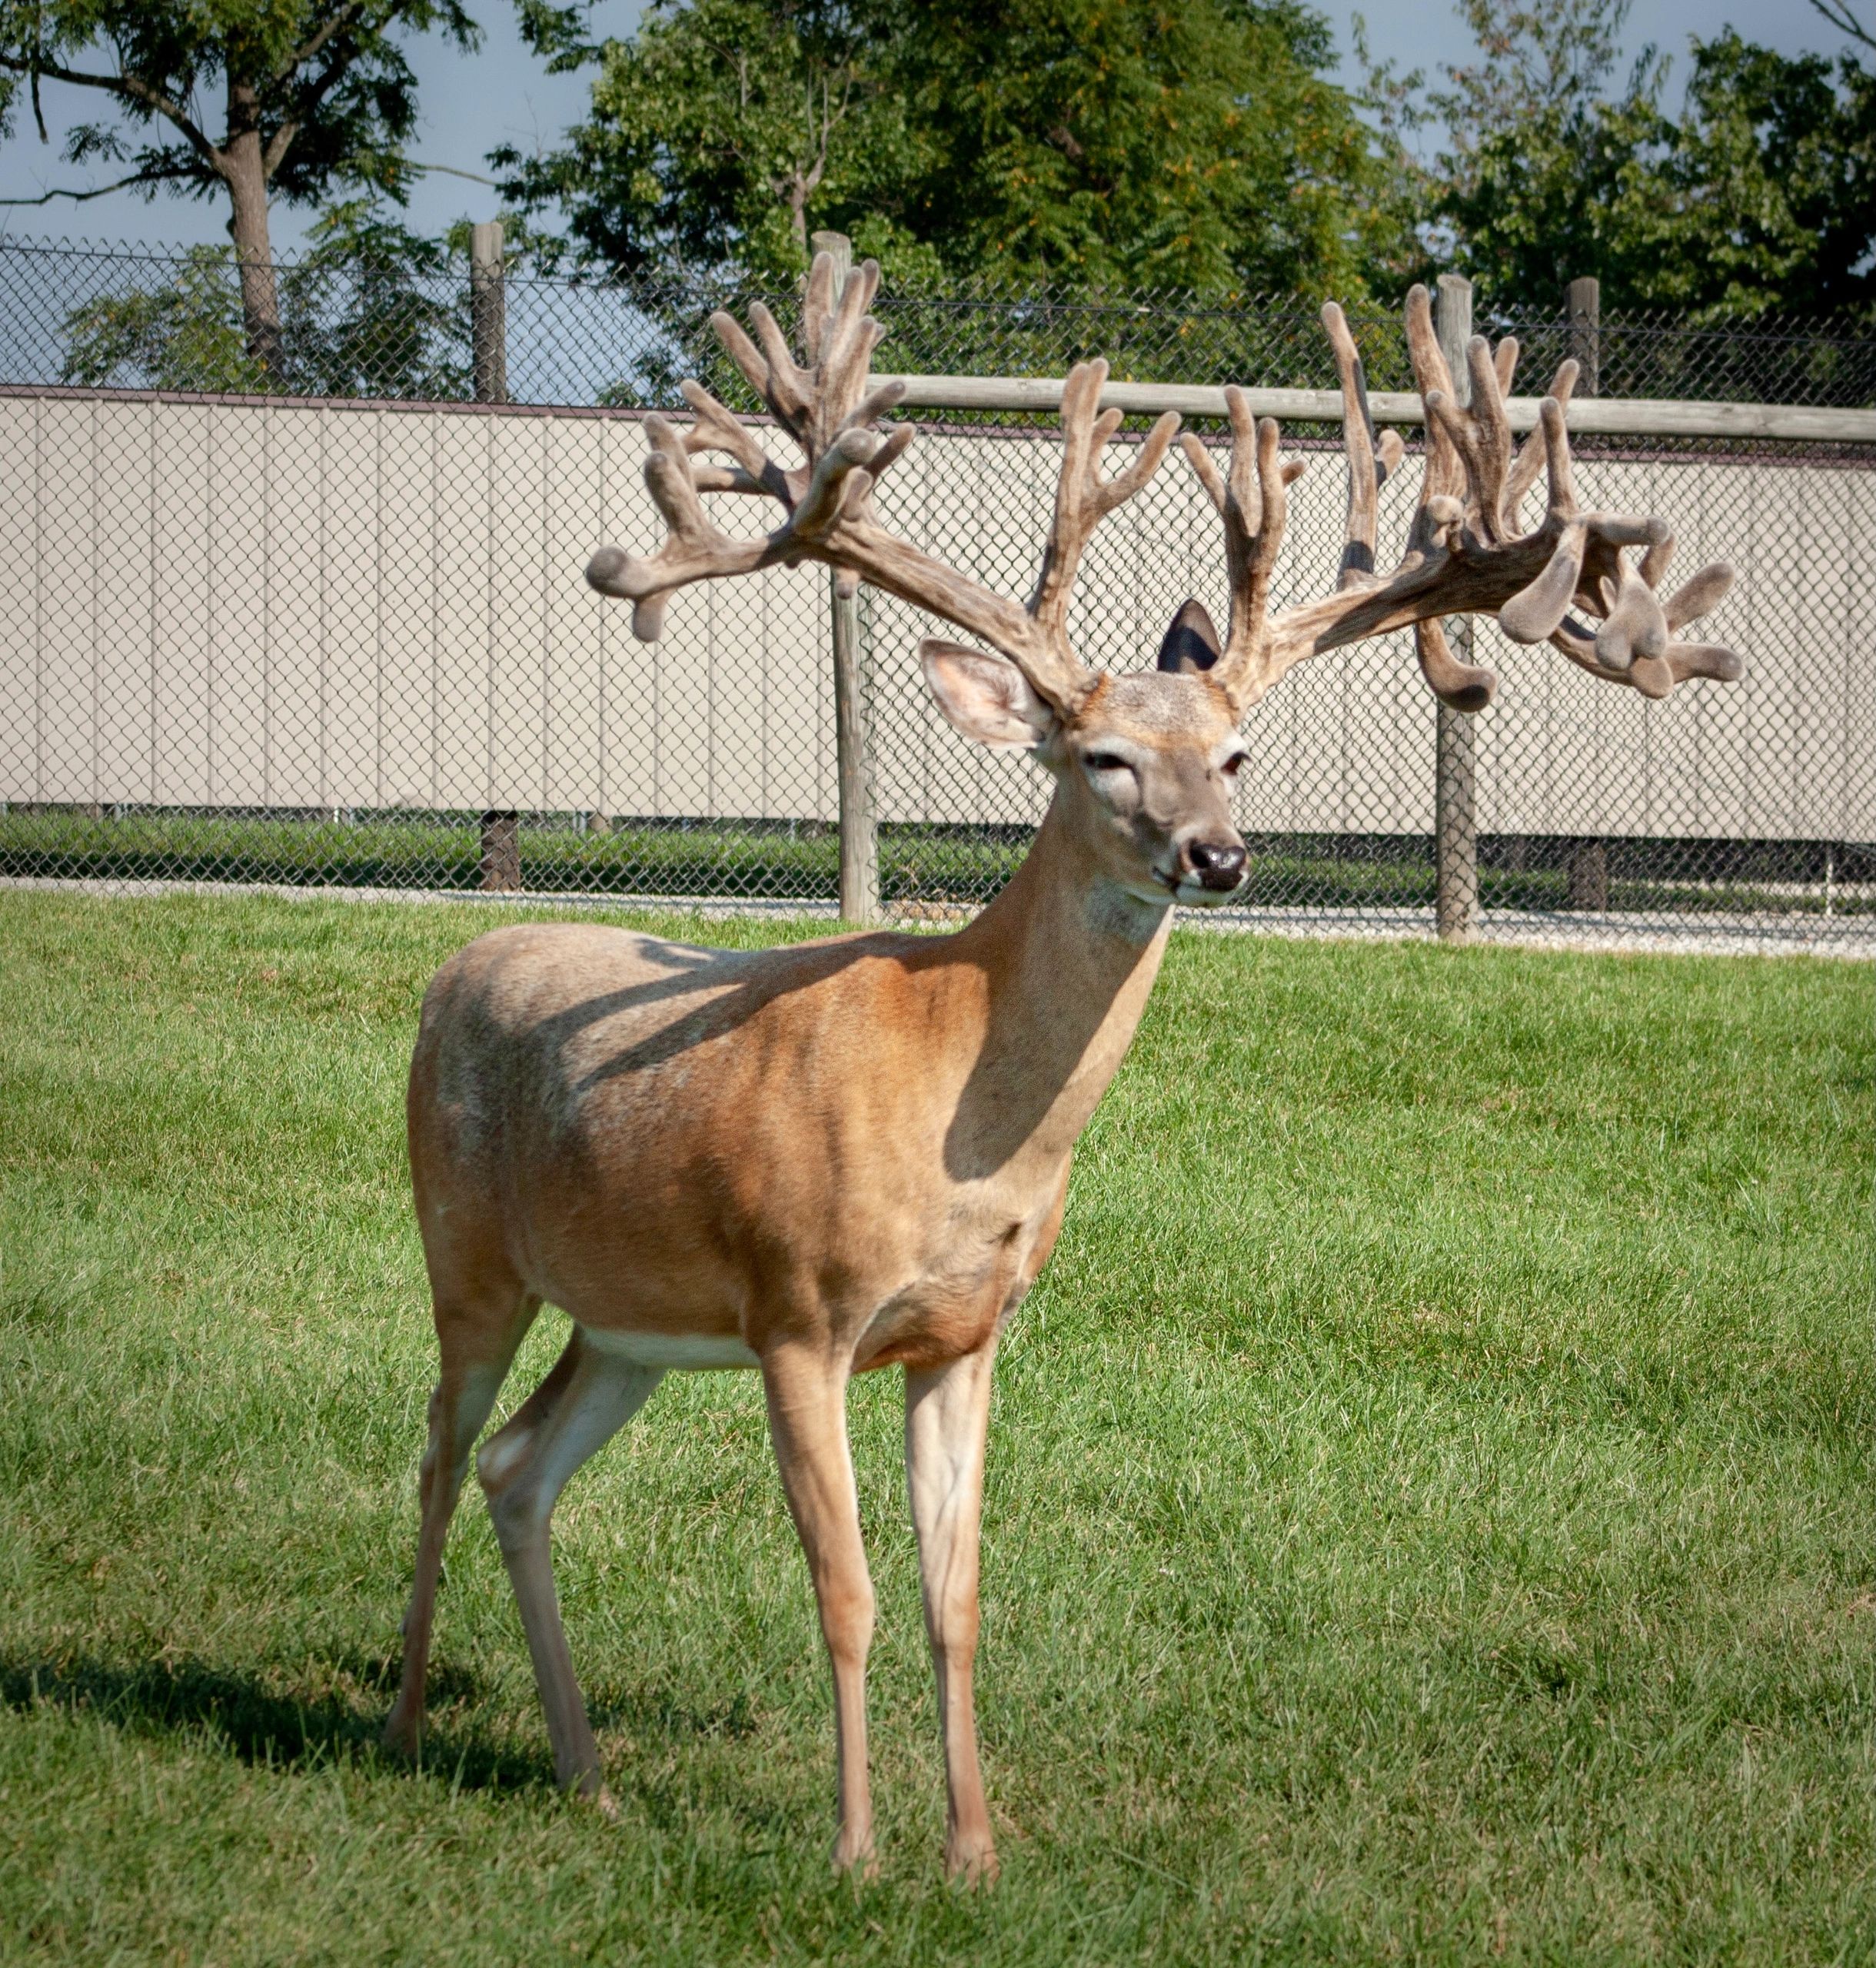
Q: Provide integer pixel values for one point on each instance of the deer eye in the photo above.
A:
(1105, 762)
(1229, 768)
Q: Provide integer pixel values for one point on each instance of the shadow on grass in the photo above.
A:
(283, 1731)
(262, 1724)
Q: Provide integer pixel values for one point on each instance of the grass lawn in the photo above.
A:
(1432, 1512)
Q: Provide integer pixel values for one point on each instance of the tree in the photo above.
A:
(1759, 195)
(1090, 142)
(313, 94)
(1110, 142)
(1772, 183)
(371, 310)
(1552, 175)
(722, 132)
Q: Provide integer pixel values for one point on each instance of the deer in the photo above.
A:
(825, 1159)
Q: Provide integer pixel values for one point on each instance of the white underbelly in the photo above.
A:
(675, 1350)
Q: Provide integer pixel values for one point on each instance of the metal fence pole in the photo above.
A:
(488, 340)
(1586, 878)
(1456, 820)
(860, 840)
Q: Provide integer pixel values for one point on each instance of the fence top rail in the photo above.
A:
(1640, 417)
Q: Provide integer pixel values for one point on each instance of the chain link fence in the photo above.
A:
(325, 625)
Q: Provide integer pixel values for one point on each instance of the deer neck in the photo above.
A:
(1069, 958)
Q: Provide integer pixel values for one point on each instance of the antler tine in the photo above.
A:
(694, 548)
(785, 387)
(844, 351)
(1468, 686)
(715, 430)
(1252, 499)
(1083, 498)
(1532, 453)
(1372, 461)
(1444, 474)
(818, 300)
(1480, 438)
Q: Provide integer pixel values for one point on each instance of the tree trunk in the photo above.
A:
(245, 175)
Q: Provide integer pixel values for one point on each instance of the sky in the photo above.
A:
(469, 104)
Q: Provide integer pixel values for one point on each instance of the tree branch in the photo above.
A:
(132, 88)
(1838, 13)
(102, 190)
(309, 98)
(278, 147)
(340, 17)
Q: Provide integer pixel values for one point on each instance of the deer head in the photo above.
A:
(1145, 760)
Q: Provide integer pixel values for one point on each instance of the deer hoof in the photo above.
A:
(403, 1734)
(972, 1862)
(855, 1855)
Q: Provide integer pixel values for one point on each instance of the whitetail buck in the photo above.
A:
(852, 1154)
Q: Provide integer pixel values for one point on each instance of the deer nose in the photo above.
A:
(1219, 864)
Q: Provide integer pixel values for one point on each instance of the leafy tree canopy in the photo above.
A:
(1759, 195)
(307, 96)
(1095, 142)
(371, 310)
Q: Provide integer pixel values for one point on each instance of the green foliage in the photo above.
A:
(316, 98)
(360, 315)
(723, 131)
(1550, 175)
(1089, 141)
(1111, 142)
(185, 334)
(1428, 1515)
(323, 84)
(1758, 196)
(1772, 176)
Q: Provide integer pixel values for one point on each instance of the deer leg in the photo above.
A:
(469, 1380)
(947, 1412)
(807, 1420)
(581, 1405)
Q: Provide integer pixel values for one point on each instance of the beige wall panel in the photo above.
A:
(244, 649)
(515, 575)
(1848, 787)
(297, 713)
(349, 610)
(68, 683)
(185, 556)
(19, 586)
(800, 752)
(465, 679)
(120, 440)
(574, 750)
(405, 609)
(627, 669)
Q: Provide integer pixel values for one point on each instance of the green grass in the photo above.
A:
(1432, 1512)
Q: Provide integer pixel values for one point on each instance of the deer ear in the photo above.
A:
(986, 697)
(1190, 642)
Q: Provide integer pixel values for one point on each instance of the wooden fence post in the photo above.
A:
(488, 327)
(1455, 820)
(1586, 876)
(859, 841)
(488, 345)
